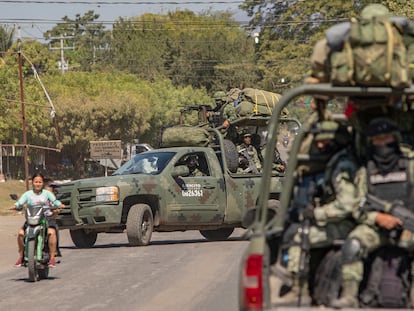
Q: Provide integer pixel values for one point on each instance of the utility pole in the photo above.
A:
(63, 63)
(25, 146)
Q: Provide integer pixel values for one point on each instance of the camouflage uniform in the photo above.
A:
(331, 218)
(196, 172)
(224, 110)
(390, 184)
(251, 154)
(229, 112)
(278, 165)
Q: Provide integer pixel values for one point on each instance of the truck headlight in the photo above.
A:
(107, 194)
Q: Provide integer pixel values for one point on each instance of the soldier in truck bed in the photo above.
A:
(388, 175)
(224, 112)
(249, 161)
(326, 198)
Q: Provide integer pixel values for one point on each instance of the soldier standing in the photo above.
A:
(224, 112)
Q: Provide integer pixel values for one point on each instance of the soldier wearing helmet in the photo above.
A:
(193, 166)
(325, 197)
(249, 161)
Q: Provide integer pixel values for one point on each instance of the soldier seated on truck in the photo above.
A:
(249, 161)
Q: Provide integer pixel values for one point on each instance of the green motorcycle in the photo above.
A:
(36, 249)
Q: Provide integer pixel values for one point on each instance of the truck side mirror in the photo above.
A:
(180, 170)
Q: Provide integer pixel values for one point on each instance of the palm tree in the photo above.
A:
(6, 38)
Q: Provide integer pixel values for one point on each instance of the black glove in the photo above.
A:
(244, 163)
(308, 213)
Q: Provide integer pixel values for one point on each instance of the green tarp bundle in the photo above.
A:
(185, 136)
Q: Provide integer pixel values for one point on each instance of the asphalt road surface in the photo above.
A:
(177, 271)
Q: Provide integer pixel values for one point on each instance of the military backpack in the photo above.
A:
(376, 51)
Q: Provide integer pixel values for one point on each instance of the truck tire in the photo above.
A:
(82, 238)
(218, 234)
(139, 225)
(232, 155)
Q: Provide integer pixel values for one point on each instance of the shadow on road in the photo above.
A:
(158, 242)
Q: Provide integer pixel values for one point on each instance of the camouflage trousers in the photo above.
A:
(370, 239)
(319, 236)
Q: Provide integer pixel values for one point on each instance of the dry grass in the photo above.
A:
(10, 186)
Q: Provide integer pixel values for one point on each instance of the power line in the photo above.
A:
(122, 2)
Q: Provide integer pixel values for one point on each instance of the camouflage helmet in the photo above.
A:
(374, 9)
(220, 95)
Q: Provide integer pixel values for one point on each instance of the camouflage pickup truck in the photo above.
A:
(155, 191)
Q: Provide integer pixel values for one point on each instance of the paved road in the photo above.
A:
(178, 271)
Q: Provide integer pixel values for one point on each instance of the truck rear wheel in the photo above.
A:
(82, 238)
(218, 234)
(139, 225)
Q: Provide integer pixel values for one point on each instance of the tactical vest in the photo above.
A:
(218, 115)
(395, 185)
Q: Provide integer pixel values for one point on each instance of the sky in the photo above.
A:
(34, 17)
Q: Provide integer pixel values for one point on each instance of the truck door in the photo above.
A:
(201, 195)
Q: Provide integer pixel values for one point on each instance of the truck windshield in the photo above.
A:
(151, 163)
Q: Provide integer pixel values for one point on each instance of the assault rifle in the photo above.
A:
(396, 208)
(252, 166)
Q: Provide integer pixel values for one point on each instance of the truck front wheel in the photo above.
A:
(218, 234)
(82, 238)
(139, 225)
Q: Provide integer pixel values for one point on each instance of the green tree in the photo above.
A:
(6, 39)
(101, 106)
(88, 38)
(288, 31)
(35, 59)
(207, 50)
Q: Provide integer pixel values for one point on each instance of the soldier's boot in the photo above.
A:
(349, 297)
(292, 297)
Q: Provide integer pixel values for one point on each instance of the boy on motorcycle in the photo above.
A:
(39, 196)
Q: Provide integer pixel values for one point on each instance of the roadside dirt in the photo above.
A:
(9, 225)
(6, 188)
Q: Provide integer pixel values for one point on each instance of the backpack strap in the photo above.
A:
(390, 48)
(350, 57)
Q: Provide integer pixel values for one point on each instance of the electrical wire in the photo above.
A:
(124, 2)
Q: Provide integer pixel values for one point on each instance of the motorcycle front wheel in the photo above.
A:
(31, 260)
